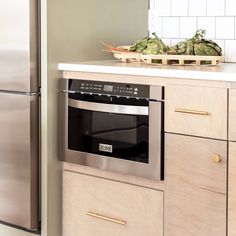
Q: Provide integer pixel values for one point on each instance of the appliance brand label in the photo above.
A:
(105, 147)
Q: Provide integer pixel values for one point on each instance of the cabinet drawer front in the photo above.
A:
(232, 190)
(95, 206)
(232, 114)
(196, 111)
(196, 183)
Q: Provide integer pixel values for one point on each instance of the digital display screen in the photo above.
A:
(108, 88)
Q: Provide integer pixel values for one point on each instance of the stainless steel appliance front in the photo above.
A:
(19, 45)
(19, 114)
(110, 119)
(19, 181)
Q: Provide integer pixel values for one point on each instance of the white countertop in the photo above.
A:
(221, 72)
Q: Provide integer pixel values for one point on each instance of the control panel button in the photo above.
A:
(109, 88)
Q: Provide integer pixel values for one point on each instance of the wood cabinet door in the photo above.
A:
(195, 177)
(232, 114)
(98, 207)
(232, 189)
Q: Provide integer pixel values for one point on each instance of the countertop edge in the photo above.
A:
(184, 74)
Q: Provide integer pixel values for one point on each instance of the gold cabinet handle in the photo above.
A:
(216, 158)
(102, 217)
(194, 112)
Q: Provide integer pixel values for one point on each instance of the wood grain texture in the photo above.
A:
(232, 190)
(233, 85)
(195, 194)
(210, 100)
(125, 178)
(141, 208)
(232, 114)
(191, 60)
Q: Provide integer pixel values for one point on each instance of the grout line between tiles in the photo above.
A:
(215, 27)
(179, 27)
(225, 7)
(234, 27)
(224, 48)
(188, 8)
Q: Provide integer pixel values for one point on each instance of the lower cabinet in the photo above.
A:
(196, 185)
(232, 189)
(94, 206)
(232, 114)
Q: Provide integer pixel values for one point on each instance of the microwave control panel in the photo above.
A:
(108, 88)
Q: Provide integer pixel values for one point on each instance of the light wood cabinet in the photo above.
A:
(198, 196)
(196, 185)
(96, 206)
(198, 111)
(232, 114)
(232, 190)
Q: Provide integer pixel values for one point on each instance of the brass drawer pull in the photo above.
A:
(181, 110)
(120, 222)
(216, 158)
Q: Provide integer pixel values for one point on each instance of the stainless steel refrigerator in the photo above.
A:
(19, 113)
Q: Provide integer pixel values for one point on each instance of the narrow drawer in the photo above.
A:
(232, 114)
(196, 111)
(232, 190)
(96, 206)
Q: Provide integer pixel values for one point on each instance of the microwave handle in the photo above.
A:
(111, 108)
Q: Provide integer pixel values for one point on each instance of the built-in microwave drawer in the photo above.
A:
(232, 114)
(113, 132)
(198, 111)
(96, 206)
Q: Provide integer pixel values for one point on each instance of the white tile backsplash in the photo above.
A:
(234, 27)
(230, 7)
(157, 26)
(230, 50)
(152, 21)
(175, 20)
(216, 7)
(209, 24)
(162, 7)
(175, 41)
(197, 7)
(188, 27)
(166, 41)
(221, 43)
(225, 28)
(152, 5)
(173, 31)
(179, 8)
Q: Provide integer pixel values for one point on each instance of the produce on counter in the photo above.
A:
(207, 48)
(197, 45)
(110, 48)
(140, 45)
(150, 45)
